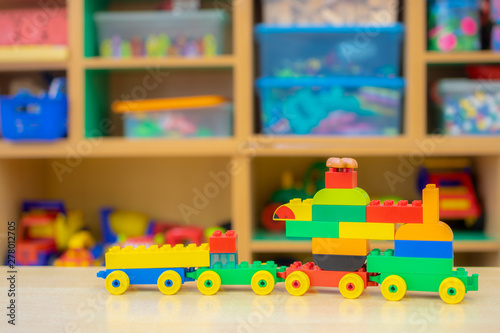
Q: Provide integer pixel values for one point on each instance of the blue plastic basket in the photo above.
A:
(35, 118)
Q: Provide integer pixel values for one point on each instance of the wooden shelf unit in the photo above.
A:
(27, 170)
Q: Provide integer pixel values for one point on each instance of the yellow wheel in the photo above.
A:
(297, 283)
(117, 282)
(351, 285)
(262, 283)
(169, 282)
(208, 283)
(452, 290)
(393, 288)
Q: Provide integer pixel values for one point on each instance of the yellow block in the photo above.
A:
(425, 232)
(455, 204)
(301, 209)
(341, 246)
(158, 257)
(430, 198)
(366, 230)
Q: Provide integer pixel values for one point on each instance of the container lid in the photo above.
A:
(180, 16)
(262, 29)
(162, 104)
(345, 81)
(466, 86)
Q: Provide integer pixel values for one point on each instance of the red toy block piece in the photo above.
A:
(345, 178)
(388, 212)
(223, 243)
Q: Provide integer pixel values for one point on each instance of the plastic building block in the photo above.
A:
(429, 232)
(157, 257)
(223, 243)
(380, 231)
(389, 212)
(183, 235)
(423, 249)
(343, 246)
(309, 229)
(330, 262)
(296, 209)
(341, 196)
(341, 173)
(337, 213)
(430, 196)
(387, 263)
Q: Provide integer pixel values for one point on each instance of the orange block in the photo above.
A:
(430, 198)
(342, 246)
(425, 232)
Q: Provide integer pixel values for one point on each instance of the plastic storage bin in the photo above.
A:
(331, 106)
(470, 106)
(330, 11)
(200, 116)
(453, 25)
(329, 51)
(28, 117)
(495, 10)
(161, 34)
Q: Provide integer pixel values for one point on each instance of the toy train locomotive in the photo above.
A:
(341, 220)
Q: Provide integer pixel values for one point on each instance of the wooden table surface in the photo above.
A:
(74, 300)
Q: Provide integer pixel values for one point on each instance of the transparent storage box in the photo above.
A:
(329, 51)
(199, 116)
(331, 106)
(330, 11)
(470, 107)
(161, 33)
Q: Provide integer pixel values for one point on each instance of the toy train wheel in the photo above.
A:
(351, 285)
(297, 283)
(169, 282)
(117, 282)
(262, 283)
(208, 283)
(393, 287)
(452, 290)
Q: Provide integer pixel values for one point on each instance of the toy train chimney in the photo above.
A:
(341, 173)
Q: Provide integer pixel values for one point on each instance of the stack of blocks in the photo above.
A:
(341, 220)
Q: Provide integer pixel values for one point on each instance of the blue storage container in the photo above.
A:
(28, 117)
(296, 51)
(331, 106)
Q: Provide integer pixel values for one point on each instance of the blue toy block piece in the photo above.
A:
(423, 249)
(145, 275)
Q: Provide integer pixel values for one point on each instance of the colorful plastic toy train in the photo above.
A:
(341, 220)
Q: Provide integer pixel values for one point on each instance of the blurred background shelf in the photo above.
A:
(223, 61)
(462, 57)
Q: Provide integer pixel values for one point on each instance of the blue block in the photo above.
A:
(146, 275)
(423, 249)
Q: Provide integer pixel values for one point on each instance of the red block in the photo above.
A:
(391, 213)
(322, 278)
(223, 243)
(341, 178)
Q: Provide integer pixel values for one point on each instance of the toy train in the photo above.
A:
(341, 220)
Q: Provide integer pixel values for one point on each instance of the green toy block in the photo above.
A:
(387, 263)
(242, 275)
(431, 282)
(310, 229)
(339, 213)
(341, 196)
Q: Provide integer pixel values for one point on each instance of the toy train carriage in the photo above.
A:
(212, 265)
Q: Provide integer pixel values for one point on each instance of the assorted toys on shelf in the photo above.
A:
(453, 25)
(330, 12)
(457, 196)
(325, 106)
(162, 33)
(470, 107)
(197, 116)
(341, 220)
(28, 117)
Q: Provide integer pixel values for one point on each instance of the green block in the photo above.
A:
(242, 275)
(386, 262)
(339, 213)
(341, 196)
(431, 282)
(310, 229)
